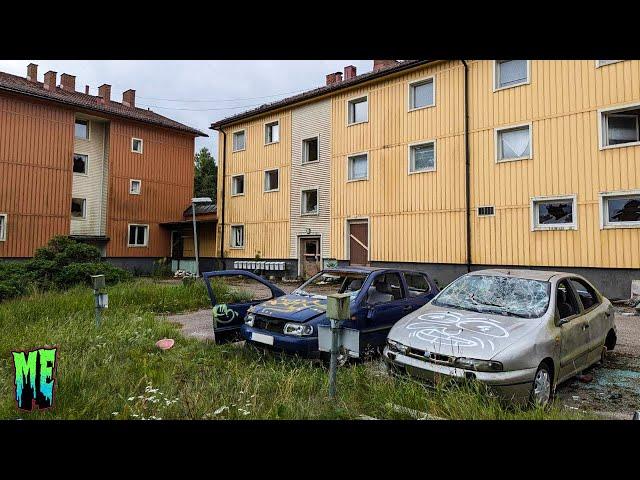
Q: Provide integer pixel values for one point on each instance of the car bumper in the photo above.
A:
(303, 346)
(514, 385)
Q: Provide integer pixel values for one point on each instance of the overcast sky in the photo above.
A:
(212, 89)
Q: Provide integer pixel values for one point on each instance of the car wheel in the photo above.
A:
(541, 391)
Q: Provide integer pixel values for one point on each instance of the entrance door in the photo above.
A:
(309, 256)
(177, 245)
(358, 243)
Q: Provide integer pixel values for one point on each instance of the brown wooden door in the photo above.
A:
(310, 256)
(358, 243)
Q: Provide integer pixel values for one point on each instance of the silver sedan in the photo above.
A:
(521, 332)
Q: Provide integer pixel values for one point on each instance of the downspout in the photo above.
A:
(467, 162)
(224, 182)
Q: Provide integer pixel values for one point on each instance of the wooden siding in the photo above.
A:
(36, 148)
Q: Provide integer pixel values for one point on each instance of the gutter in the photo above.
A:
(467, 162)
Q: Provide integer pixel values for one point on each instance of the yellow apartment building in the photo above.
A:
(443, 166)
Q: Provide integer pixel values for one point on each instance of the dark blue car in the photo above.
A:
(289, 322)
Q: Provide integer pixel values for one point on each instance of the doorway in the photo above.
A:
(358, 242)
(309, 256)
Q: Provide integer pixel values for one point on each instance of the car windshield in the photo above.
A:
(511, 296)
(326, 283)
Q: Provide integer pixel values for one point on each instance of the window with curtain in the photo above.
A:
(358, 167)
(237, 236)
(511, 72)
(514, 143)
(272, 132)
(238, 141)
(423, 157)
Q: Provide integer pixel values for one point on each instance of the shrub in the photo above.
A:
(76, 273)
(161, 268)
(12, 280)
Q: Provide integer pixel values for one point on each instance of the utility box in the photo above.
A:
(102, 300)
(98, 282)
(338, 306)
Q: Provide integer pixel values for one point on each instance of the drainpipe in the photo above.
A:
(467, 162)
(219, 203)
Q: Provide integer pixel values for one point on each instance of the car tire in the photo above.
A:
(542, 388)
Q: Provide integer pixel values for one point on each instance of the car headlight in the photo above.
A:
(249, 319)
(478, 365)
(397, 346)
(298, 329)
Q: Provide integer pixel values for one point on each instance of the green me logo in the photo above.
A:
(35, 378)
(223, 314)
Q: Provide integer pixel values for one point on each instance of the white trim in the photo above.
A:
(233, 134)
(86, 164)
(607, 62)
(241, 247)
(417, 144)
(302, 162)
(415, 83)
(84, 209)
(349, 180)
(614, 109)
(604, 209)
(496, 148)
(264, 132)
(264, 180)
(565, 226)
(131, 192)
(310, 189)
(244, 185)
(496, 77)
(3, 229)
(353, 99)
(133, 139)
(485, 206)
(88, 129)
(146, 234)
(348, 222)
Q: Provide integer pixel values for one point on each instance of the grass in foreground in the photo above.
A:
(116, 372)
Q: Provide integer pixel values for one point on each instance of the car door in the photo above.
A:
(419, 289)
(232, 293)
(595, 316)
(574, 334)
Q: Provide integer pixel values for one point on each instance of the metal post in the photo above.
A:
(195, 238)
(333, 362)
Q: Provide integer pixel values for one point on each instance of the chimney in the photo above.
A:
(334, 78)
(104, 91)
(349, 72)
(378, 64)
(68, 82)
(86, 89)
(32, 72)
(50, 80)
(338, 77)
(129, 98)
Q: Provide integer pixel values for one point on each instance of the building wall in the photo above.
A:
(311, 120)
(36, 148)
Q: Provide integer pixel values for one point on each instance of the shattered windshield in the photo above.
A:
(502, 295)
(327, 283)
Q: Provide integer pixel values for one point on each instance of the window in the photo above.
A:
(385, 288)
(135, 187)
(358, 167)
(487, 211)
(136, 145)
(513, 143)
(417, 284)
(78, 208)
(566, 302)
(271, 133)
(237, 185)
(82, 129)
(586, 293)
(238, 141)
(510, 73)
(309, 202)
(237, 236)
(620, 209)
(80, 163)
(620, 127)
(271, 180)
(422, 157)
(138, 235)
(602, 63)
(3, 227)
(421, 94)
(358, 110)
(310, 150)
(552, 213)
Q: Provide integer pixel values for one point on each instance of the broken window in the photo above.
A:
(621, 210)
(358, 167)
(620, 127)
(566, 302)
(310, 150)
(135, 186)
(421, 94)
(78, 208)
(310, 202)
(3, 227)
(237, 236)
(587, 295)
(136, 145)
(271, 180)
(514, 143)
(554, 213)
(510, 73)
(237, 185)
(138, 235)
(272, 132)
(417, 284)
(602, 63)
(358, 110)
(422, 158)
(324, 284)
(82, 129)
(80, 163)
(238, 141)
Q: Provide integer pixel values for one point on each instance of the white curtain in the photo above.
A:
(515, 143)
(359, 167)
(512, 71)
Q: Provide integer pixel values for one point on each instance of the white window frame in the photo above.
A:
(267, 124)
(231, 236)
(146, 234)
(264, 180)
(88, 128)
(3, 227)
(244, 184)
(604, 63)
(309, 214)
(354, 100)
(535, 227)
(496, 77)
(304, 150)
(496, 143)
(604, 209)
(84, 209)
(418, 144)
(603, 126)
(419, 82)
(131, 192)
(133, 140)
(349, 157)
(233, 135)
(485, 206)
(86, 164)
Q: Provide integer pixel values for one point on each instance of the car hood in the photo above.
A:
(461, 333)
(296, 308)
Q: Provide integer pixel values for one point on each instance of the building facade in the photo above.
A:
(86, 166)
(449, 166)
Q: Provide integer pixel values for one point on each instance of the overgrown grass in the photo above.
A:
(116, 372)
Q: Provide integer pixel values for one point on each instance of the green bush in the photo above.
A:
(12, 280)
(76, 273)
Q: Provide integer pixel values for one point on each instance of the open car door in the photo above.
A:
(232, 293)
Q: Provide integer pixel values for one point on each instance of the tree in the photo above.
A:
(206, 175)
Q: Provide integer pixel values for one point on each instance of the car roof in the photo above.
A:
(363, 269)
(543, 275)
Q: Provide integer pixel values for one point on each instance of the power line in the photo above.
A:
(221, 99)
(200, 109)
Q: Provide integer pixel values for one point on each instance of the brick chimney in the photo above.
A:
(32, 72)
(86, 89)
(378, 64)
(104, 91)
(50, 80)
(129, 98)
(334, 78)
(349, 72)
(68, 82)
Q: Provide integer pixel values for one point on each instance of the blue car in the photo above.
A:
(289, 322)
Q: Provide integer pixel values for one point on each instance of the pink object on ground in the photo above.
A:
(165, 343)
